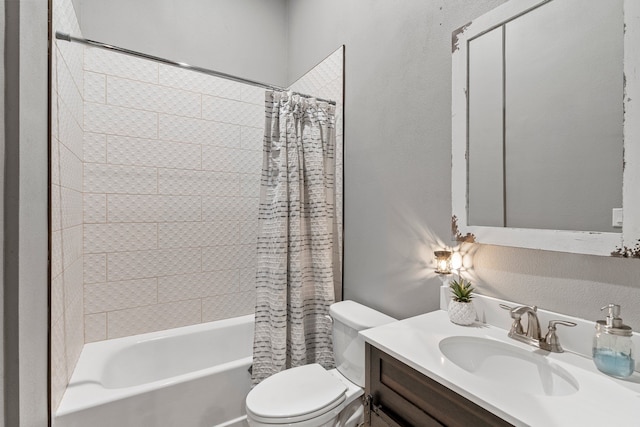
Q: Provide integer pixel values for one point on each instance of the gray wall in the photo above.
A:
(398, 163)
(25, 214)
(246, 38)
(397, 139)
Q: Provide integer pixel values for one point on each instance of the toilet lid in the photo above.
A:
(296, 394)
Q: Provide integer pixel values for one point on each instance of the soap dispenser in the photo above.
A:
(613, 351)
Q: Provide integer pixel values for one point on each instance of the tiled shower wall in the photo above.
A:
(67, 329)
(155, 176)
(171, 186)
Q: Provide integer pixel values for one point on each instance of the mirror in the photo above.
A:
(540, 126)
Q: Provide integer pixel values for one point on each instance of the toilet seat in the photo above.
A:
(295, 395)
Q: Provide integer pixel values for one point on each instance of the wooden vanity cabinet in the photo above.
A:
(400, 396)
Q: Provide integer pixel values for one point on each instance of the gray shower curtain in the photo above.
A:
(297, 259)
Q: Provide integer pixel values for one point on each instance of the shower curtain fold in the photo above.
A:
(297, 259)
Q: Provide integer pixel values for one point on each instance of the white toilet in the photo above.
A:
(310, 396)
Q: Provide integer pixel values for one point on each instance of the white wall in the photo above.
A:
(398, 165)
(246, 38)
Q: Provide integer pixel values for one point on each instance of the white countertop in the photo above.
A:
(600, 401)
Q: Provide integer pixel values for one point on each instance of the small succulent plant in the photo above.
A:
(462, 290)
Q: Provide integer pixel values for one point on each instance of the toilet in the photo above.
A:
(311, 396)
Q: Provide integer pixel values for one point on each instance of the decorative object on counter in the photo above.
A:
(613, 350)
(443, 262)
(461, 310)
(627, 252)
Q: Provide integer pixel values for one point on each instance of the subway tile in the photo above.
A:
(120, 237)
(252, 95)
(95, 327)
(247, 279)
(71, 245)
(74, 335)
(57, 297)
(104, 178)
(248, 209)
(146, 96)
(115, 120)
(56, 213)
(221, 159)
(70, 169)
(71, 207)
(95, 208)
(147, 152)
(251, 138)
(58, 362)
(248, 232)
(227, 135)
(95, 87)
(183, 129)
(153, 318)
(95, 147)
(223, 110)
(195, 234)
(152, 263)
(248, 256)
(73, 283)
(222, 257)
(117, 64)
(69, 90)
(229, 305)
(152, 208)
(70, 132)
(56, 253)
(220, 208)
(55, 161)
(250, 185)
(103, 297)
(95, 268)
(187, 182)
(197, 285)
(197, 82)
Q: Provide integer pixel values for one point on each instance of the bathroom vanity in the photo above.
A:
(427, 371)
(402, 396)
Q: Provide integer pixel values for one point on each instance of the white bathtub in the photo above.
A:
(191, 376)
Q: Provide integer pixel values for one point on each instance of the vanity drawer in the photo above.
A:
(402, 396)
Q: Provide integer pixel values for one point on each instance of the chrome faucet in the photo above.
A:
(532, 335)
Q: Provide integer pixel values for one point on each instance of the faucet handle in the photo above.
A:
(551, 340)
(516, 327)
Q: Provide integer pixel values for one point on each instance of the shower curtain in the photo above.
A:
(297, 260)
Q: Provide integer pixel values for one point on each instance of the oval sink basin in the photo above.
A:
(509, 366)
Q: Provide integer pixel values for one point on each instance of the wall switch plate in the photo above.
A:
(616, 217)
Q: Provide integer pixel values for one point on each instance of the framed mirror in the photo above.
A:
(546, 127)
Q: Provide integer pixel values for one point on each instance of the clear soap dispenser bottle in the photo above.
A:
(613, 351)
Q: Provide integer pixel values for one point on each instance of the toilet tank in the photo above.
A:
(349, 317)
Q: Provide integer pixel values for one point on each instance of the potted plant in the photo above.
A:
(461, 309)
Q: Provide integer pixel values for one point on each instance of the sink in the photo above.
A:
(509, 366)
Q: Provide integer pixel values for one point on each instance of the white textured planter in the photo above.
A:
(462, 313)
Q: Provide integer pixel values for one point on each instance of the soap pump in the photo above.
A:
(613, 351)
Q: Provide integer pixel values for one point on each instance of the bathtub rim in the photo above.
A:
(85, 390)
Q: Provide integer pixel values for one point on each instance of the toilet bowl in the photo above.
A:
(311, 396)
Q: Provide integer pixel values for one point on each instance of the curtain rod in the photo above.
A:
(93, 43)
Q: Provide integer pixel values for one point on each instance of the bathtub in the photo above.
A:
(190, 376)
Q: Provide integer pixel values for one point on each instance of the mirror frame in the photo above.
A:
(580, 242)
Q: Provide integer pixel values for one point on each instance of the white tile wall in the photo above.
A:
(67, 313)
(171, 188)
(172, 170)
